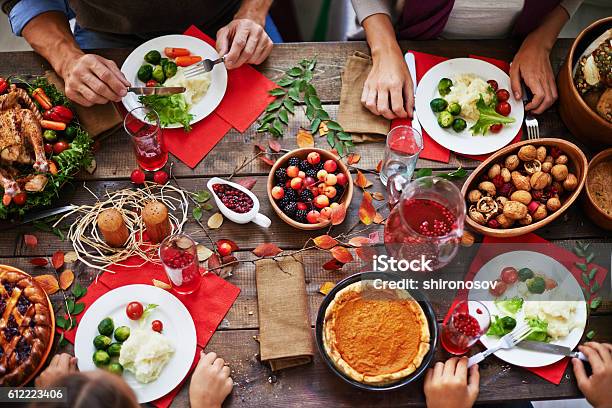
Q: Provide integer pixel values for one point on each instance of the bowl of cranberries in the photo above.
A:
(306, 184)
(236, 202)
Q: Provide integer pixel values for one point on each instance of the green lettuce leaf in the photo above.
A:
(488, 117)
(539, 330)
(171, 109)
(500, 326)
(510, 306)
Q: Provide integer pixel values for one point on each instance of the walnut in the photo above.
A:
(559, 172)
(474, 196)
(553, 204)
(540, 213)
(549, 159)
(546, 166)
(512, 162)
(494, 171)
(520, 182)
(487, 187)
(515, 210)
(527, 153)
(506, 175)
(570, 183)
(521, 196)
(539, 180)
(558, 187)
(476, 216)
(501, 200)
(541, 153)
(527, 220)
(532, 166)
(486, 205)
(562, 159)
(504, 221)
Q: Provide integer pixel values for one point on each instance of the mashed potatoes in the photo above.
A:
(196, 87)
(145, 353)
(560, 315)
(466, 91)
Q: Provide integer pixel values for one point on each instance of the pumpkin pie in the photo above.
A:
(375, 336)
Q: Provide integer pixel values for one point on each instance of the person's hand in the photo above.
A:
(60, 364)
(243, 41)
(91, 79)
(596, 387)
(388, 90)
(448, 384)
(532, 65)
(210, 383)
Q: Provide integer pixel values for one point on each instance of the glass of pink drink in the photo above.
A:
(147, 138)
(179, 257)
(468, 321)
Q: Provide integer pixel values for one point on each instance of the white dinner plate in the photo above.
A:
(567, 288)
(179, 329)
(218, 79)
(464, 142)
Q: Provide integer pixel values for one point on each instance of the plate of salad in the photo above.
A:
(161, 62)
(465, 105)
(533, 289)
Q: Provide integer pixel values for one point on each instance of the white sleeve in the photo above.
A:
(366, 8)
(571, 6)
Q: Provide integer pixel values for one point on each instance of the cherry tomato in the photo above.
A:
(157, 326)
(500, 288)
(152, 83)
(502, 95)
(134, 310)
(224, 249)
(493, 84)
(496, 128)
(20, 198)
(509, 275)
(550, 283)
(503, 108)
(60, 146)
(48, 148)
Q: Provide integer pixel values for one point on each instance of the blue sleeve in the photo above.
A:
(26, 10)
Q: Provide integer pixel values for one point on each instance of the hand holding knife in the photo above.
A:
(410, 61)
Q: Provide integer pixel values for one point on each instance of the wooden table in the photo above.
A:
(314, 384)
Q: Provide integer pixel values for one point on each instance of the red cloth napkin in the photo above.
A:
(208, 306)
(553, 372)
(431, 149)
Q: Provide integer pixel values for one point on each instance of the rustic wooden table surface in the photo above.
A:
(314, 384)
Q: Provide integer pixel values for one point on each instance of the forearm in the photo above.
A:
(546, 34)
(50, 36)
(380, 35)
(255, 10)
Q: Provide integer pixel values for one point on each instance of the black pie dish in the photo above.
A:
(416, 294)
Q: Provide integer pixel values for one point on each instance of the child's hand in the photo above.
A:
(60, 364)
(447, 384)
(596, 388)
(210, 382)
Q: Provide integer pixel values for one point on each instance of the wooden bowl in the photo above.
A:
(302, 153)
(581, 120)
(594, 212)
(577, 165)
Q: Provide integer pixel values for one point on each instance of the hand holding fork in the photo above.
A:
(508, 341)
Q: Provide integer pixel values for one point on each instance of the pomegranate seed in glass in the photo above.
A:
(468, 321)
(179, 257)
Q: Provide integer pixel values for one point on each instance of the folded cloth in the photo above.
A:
(97, 120)
(285, 337)
(352, 115)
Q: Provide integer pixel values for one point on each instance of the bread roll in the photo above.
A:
(113, 228)
(157, 223)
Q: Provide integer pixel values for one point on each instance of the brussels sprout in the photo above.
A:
(454, 108)
(536, 285)
(163, 62)
(524, 274)
(158, 74)
(169, 69)
(50, 135)
(459, 124)
(145, 72)
(106, 326)
(444, 86)
(438, 104)
(445, 119)
(101, 358)
(152, 57)
(115, 368)
(114, 350)
(122, 333)
(101, 342)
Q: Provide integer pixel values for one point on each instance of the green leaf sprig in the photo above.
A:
(458, 174)
(73, 308)
(590, 284)
(201, 198)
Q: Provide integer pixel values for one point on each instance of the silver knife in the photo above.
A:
(34, 216)
(156, 90)
(551, 349)
(410, 61)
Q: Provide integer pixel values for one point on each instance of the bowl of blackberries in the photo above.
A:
(306, 184)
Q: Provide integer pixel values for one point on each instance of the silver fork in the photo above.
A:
(508, 341)
(531, 123)
(201, 67)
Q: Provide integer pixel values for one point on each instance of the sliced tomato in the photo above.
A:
(502, 95)
(152, 83)
(503, 108)
(509, 275)
(176, 52)
(499, 289)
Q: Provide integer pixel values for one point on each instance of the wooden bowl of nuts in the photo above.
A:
(524, 187)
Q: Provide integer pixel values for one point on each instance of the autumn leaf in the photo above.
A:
(332, 265)
(48, 283)
(30, 240)
(379, 166)
(260, 147)
(161, 284)
(267, 160)
(39, 261)
(304, 138)
(353, 158)
(230, 263)
(57, 260)
(365, 253)
(275, 145)
(374, 237)
(338, 214)
(70, 257)
(361, 180)
(325, 242)
(215, 221)
(341, 254)
(214, 261)
(203, 252)
(323, 129)
(66, 278)
(326, 287)
(378, 218)
(367, 212)
(359, 241)
(267, 249)
(335, 153)
(378, 196)
(247, 182)
(231, 243)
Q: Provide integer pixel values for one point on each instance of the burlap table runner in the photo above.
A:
(97, 120)
(285, 336)
(352, 115)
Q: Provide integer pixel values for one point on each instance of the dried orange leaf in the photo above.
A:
(267, 249)
(367, 212)
(304, 138)
(275, 145)
(361, 180)
(379, 166)
(378, 196)
(48, 283)
(326, 287)
(353, 158)
(70, 257)
(66, 278)
(359, 241)
(203, 252)
(267, 160)
(39, 261)
(57, 260)
(338, 214)
(341, 254)
(323, 129)
(325, 242)
(161, 284)
(215, 221)
(30, 240)
(332, 265)
(378, 218)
